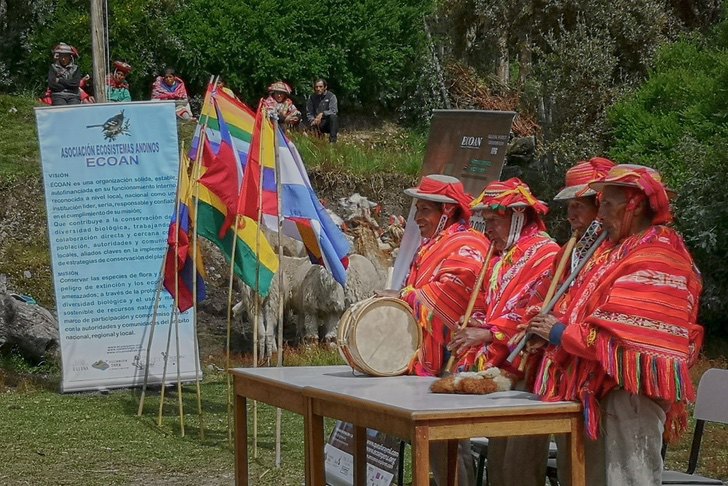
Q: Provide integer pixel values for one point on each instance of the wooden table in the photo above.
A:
(402, 406)
(279, 387)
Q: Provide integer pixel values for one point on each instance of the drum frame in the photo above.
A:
(347, 343)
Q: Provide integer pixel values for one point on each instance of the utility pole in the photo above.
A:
(98, 35)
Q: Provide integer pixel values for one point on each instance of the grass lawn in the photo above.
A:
(97, 439)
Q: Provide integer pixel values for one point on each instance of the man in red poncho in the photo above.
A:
(581, 212)
(524, 254)
(443, 272)
(626, 334)
(441, 280)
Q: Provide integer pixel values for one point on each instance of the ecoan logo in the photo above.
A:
(471, 142)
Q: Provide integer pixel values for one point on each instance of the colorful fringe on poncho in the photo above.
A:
(631, 324)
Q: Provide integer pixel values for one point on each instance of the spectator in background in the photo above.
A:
(170, 87)
(64, 76)
(221, 85)
(280, 103)
(117, 87)
(322, 110)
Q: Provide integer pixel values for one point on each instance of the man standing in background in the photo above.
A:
(322, 110)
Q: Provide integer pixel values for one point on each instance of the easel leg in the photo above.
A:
(360, 456)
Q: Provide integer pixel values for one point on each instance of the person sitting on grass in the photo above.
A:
(322, 111)
(117, 87)
(279, 102)
(171, 87)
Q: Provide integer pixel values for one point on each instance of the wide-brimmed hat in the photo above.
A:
(280, 87)
(442, 189)
(122, 66)
(513, 193)
(647, 180)
(579, 177)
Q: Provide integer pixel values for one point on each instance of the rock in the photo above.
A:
(27, 274)
(291, 247)
(29, 328)
(368, 244)
(521, 151)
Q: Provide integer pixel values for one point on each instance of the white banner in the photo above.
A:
(110, 176)
(382, 457)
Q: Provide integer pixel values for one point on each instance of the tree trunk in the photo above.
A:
(525, 62)
(503, 59)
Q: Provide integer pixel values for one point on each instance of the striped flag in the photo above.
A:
(178, 264)
(305, 218)
(221, 181)
(255, 262)
(238, 116)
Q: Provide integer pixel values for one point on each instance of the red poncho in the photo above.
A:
(438, 288)
(631, 323)
(512, 288)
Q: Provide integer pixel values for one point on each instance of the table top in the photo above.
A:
(407, 395)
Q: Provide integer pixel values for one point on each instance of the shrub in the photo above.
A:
(676, 123)
(368, 50)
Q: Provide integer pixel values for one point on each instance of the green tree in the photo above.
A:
(18, 22)
(368, 49)
(677, 122)
(371, 51)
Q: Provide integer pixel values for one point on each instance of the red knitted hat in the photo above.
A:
(647, 180)
(579, 177)
(513, 193)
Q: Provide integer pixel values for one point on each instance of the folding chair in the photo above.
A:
(710, 406)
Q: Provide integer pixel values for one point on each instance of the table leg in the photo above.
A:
(452, 462)
(314, 427)
(421, 457)
(360, 456)
(241, 441)
(576, 448)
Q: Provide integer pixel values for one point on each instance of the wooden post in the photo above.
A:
(98, 45)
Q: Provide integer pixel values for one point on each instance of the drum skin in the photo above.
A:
(379, 336)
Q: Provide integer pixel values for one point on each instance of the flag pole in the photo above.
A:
(229, 332)
(176, 302)
(279, 357)
(196, 344)
(196, 170)
(228, 378)
(257, 284)
(179, 377)
(176, 296)
(164, 370)
(157, 298)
